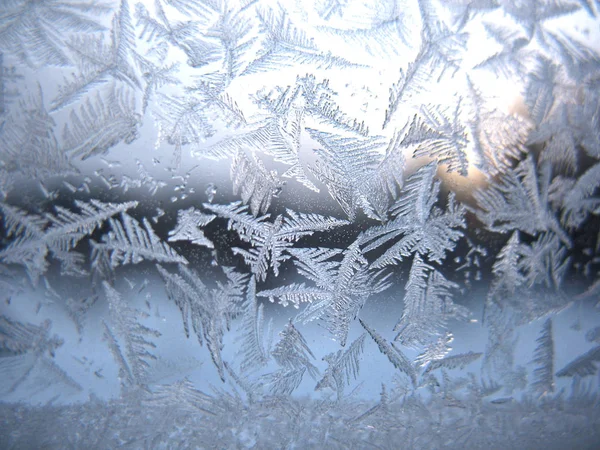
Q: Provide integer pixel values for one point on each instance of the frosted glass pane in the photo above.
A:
(327, 224)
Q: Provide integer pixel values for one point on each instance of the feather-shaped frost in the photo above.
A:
(532, 15)
(342, 287)
(285, 44)
(270, 240)
(435, 351)
(182, 121)
(449, 147)
(293, 356)
(292, 350)
(543, 357)
(181, 395)
(255, 184)
(584, 365)
(427, 305)
(57, 234)
(459, 361)
(507, 268)
(545, 261)
(356, 174)
(421, 226)
(209, 310)
(29, 147)
(394, 355)
(129, 243)
(27, 348)
(100, 63)
(440, 51)
(135, 360)
(32, 31)
(579, 200)
(252, 347)
(189, 222)
(497, 138)
(267, 136)
(17, 337)
(101, 124)
(378, 37)
(343, 367)
(519, 201)
(177, 34)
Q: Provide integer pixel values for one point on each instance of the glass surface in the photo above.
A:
(329, 224)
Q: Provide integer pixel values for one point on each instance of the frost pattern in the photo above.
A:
(395, 356)
(27, 346)
(99, 126)
(544, 355)
(424, 228)
(134, 359)
(129, 243)
(341, 287)
(256, 185)
(208, 309)
(189, 222)
(358, 163)
(294, 357)
(37, 236)
(427, 305)
(583, 365)
(270, 240)
(253, 350)
(343, 366)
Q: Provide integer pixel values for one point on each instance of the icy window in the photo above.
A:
(305, 224)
